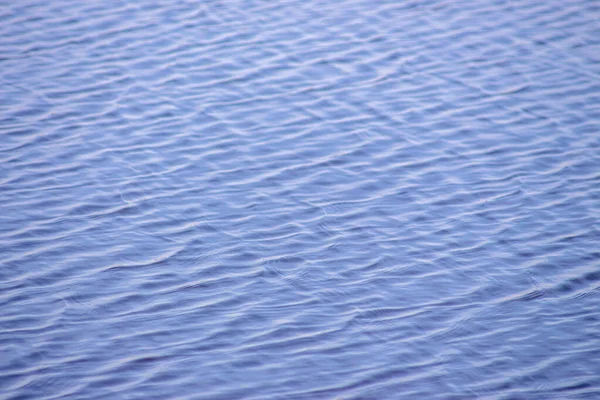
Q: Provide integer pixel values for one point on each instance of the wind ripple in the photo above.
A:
(299, 199)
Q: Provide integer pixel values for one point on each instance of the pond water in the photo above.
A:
(321, 199)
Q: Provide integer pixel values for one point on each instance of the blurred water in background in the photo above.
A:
(299, 199)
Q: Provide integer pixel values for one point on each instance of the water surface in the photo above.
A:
(313, 199)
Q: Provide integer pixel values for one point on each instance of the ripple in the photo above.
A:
(299, 200)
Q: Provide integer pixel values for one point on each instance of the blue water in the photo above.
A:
(305, 199)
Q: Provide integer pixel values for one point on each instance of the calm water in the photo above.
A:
(299, 199)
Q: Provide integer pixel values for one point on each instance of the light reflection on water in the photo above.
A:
(299, 200)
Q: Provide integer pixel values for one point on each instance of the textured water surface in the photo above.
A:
(306, 199)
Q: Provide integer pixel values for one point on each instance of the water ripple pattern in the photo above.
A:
(303, 199)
